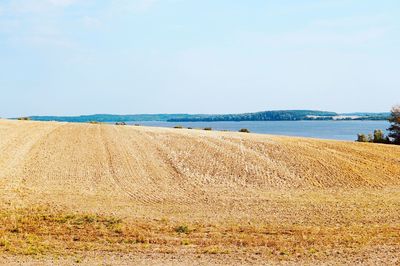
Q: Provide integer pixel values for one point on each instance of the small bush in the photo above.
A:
(244, 130)
(137, 125)
(208, 128)
(189, 128)
(185, 242)
(182, 229)
(120, 124)
(362, 138)
(178, 127)
(15, 230)
(24, 118)
(379, 136)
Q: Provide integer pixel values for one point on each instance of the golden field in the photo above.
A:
(104, 194)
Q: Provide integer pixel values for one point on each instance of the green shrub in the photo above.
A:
(24, 118)
(362, 138)
(207, 128)
(179, 127)
(379, 136)
(244, 130)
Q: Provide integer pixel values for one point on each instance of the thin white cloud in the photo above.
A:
(9, 25)
(46, 41)
(16, 7)
(43, 35)
(91, 22)
(359, 21)
(36, 23)
(347, 31)
(312, 37)
(133, 6)
(144, 5)
(62, 3)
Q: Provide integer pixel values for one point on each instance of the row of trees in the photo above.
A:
(394, 131)
(395, 125)
(377, 137)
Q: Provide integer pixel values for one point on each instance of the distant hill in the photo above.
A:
(282, 115)
(108, 118)
(368, 116)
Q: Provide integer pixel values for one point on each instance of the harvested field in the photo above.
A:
(95, 193)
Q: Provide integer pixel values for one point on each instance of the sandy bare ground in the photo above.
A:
(190, 195)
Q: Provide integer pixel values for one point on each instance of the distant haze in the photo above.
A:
(71, 57)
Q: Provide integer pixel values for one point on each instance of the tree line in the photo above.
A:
(394, 131)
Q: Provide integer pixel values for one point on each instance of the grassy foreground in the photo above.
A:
(101, 194)
(371, 233)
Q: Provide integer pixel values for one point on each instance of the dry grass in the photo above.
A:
(42, 231)
(138, 190)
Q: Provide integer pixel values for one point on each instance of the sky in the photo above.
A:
(72, 57)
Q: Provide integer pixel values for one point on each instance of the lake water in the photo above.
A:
(339, 130)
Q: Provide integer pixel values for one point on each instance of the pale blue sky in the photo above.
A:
(69, 57)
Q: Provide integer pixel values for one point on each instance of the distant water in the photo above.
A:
(339, 130)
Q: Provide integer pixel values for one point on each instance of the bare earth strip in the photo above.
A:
(90, 193)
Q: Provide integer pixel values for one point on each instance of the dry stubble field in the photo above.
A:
(86, 193)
